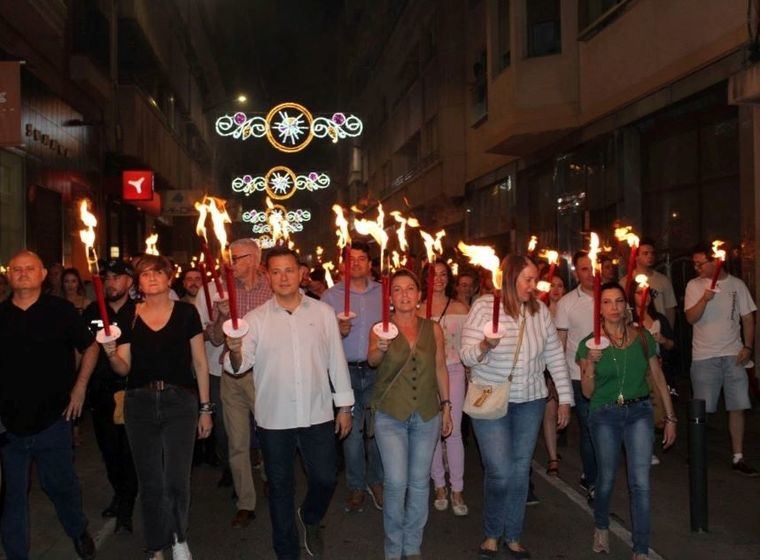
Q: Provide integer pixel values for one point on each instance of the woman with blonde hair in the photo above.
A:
(511, 367)
(159, 353)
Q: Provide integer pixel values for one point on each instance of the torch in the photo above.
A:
(643, 282)
(328, 266)
(553, 258)
(234, 327)
(403, 246)
(720, 257)
(278, 222)
(432, 246)
(344, 247)
(150, 244)
(109, 332)
(206, 294)
(532, 243)
(384, 329)
(626, 234)
(598, 342)
(485, 256)
(200, 229)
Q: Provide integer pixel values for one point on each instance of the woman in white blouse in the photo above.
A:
(507, 443)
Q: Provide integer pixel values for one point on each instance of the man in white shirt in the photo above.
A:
(574, 322)
(719, 355)
(296, 353)
(664, 297)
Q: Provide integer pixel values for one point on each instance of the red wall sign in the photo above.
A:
(137, 185)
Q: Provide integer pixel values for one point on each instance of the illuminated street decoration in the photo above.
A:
(294, 219)
(280, 183)
(289, 127)
(265, 242)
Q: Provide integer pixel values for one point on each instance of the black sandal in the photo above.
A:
(552, 467)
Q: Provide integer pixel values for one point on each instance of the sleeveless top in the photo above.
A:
(416, 388)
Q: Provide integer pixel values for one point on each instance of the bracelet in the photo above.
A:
(671, 419)
(346, 410)
(444, 402)
(207, 408)
(749, 348)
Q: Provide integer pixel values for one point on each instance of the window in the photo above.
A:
(502, 55)
(492, 209)
(479, 89)
(543, 27)
(595, 14)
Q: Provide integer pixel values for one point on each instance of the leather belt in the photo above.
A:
(161, 385)
(363, 363)
(628, 402)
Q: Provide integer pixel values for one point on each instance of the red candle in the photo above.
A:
(718, 266)
(597, 307)
(631, 268)
(232, 295)
(386, 301)
(212, 268)
(430, 280)
(206, 294)
(97, 283)
(496, 311)
(643, 305)
(347, 281)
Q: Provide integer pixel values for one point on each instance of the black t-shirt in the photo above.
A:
(37, 364)
(163, 355)
(104, 381)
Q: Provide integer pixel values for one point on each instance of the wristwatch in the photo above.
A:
(207, 408)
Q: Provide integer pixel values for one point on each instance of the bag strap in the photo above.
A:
(519, 345)
(401, 369)
(448, 302)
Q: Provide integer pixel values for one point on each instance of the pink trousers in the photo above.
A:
(454, 448)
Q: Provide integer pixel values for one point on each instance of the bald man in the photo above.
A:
(40, 394)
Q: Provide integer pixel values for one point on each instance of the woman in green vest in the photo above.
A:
(412, 411)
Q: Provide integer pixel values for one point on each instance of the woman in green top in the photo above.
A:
(621, 413)
(412, 411)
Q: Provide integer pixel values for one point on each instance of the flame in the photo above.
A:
(320, 251)
(543, 286)
(395, 260)
(433, 245)
(356, 210)
(401, 230)
(342, 224)
(218, 212)
(532, 243)
(375, 229)
(642, 280)
(328, 266)
(278, 222)
(454, 266)
(485, 256)
(88, 235)
(626, 234)
(552, 257)
(200, 227)
(718, 253)
(150, 244)
(593, 250)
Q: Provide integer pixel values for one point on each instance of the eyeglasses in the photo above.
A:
(699, 264)
(236, 258)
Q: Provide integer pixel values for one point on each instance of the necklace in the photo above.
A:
(615, 348)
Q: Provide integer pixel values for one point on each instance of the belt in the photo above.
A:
(628, 402)
(161, 385)
(363, 363)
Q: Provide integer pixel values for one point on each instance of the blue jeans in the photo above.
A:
(587, 446)
(406, 449)
(362, 382)
(51, 451)
(633, 426)
(161, 427)
(506, 447)
(317, 447)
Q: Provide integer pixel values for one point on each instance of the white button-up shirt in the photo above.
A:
(295, 356)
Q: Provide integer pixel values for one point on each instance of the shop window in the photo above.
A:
(543, 26)
(491, 209)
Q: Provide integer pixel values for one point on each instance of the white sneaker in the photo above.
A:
(655, 460)
(180, 551)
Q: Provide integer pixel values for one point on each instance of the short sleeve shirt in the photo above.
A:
(37, 363)
(718, 331)
(575, 314)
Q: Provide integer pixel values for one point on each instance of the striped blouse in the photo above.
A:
(541, 348)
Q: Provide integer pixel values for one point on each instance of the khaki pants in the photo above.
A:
(237, 400)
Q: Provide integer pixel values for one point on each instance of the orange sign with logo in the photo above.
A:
(10, 104)
(137, 185)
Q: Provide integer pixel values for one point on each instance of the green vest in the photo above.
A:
(416, 387)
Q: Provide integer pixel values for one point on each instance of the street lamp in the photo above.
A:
(241, 98)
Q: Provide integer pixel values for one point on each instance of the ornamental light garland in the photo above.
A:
(280, 183)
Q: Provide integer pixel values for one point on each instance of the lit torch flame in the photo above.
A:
(543, 286)
(626, 234)
(342, 224)
(485, 256)
(320, 251)
(401, 230)
(532, 243)
(433, 245)
(552, 257)
(278, 222)
(454, 266)
(395, 260)
(593, 251)
(375, 229)
(150, 244)
(328, 266)
(718, 253)
(216, 208)
(642, 281)
(88, 235)
(200, 228)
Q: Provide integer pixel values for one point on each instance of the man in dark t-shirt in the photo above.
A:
(104, 384)
(40, 394)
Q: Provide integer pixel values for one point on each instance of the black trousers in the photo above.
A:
(117, 456)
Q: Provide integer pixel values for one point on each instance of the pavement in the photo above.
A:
(558, 528)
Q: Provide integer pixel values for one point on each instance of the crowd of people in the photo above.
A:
(175, 388)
